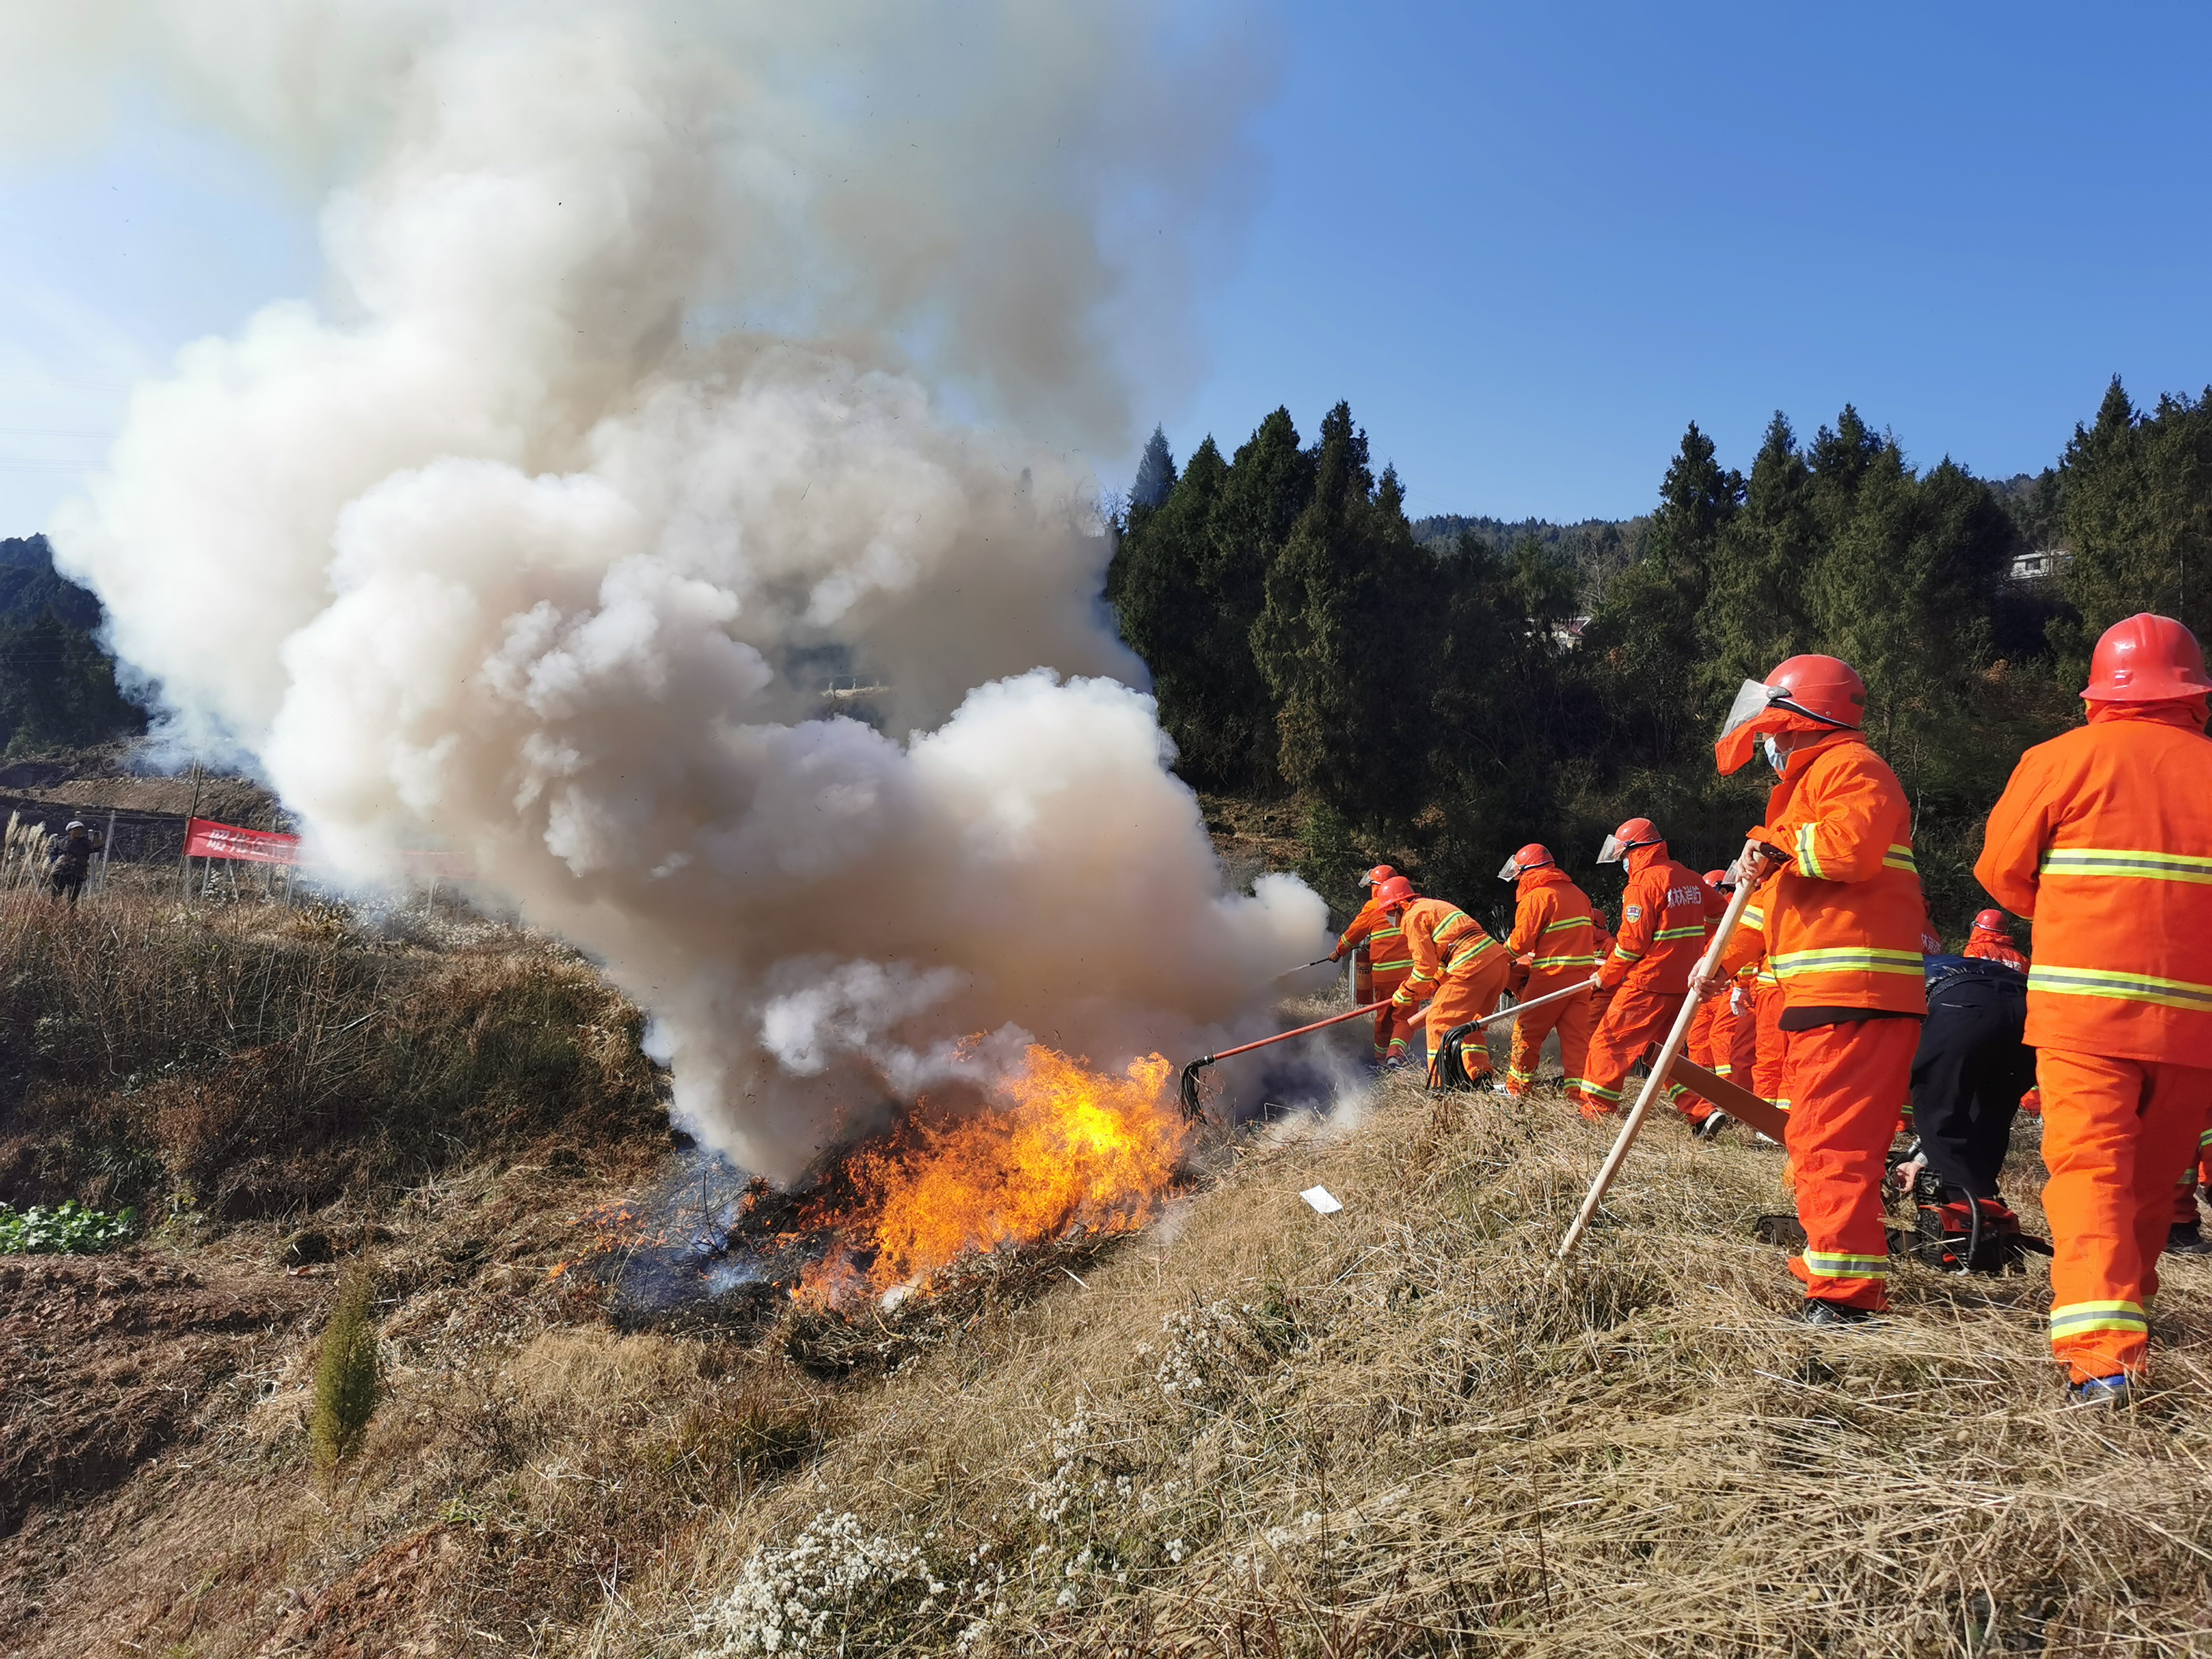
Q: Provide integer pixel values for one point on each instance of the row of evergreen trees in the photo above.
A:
(1428, 705)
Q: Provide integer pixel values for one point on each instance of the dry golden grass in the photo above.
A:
(1251, 1430)
(1395, 1431)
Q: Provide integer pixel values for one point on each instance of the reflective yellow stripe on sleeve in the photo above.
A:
(1808, 860)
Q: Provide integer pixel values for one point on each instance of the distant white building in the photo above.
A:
(2038, 566)
(1569, 634)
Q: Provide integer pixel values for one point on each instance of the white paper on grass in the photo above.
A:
(1323, 1201)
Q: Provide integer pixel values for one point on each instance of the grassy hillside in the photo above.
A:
(1250, 1429)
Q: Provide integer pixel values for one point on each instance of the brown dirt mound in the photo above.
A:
(110, 1359)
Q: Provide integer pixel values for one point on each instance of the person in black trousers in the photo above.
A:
(72, 862)
(1968, 1075)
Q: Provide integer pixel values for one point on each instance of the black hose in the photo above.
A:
(1447, 1065)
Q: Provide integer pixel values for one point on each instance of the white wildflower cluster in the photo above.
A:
(1083, 1472)
(808, 1596)
(1207, 1350)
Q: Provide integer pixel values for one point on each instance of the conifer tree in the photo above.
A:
(1156, 474)
(1642, 640)
(1345, 636)
(2137, 492)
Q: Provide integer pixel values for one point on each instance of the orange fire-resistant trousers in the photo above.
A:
(1736, 1043)
(2115, 1132)
(1570, 1017)
(1843, 1082)
(1698, 1046)
(1464, 995)
(1393, 1036)
(1769, 1083)
(1636, 1021)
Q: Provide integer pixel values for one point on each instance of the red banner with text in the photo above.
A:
(206, 839)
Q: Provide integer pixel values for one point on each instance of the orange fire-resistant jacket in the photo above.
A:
(1443, 940)
(2103, 837)
(1554, 929)
(1387, 959)
(1993, 947)
(1663, 924)
(1842, 919)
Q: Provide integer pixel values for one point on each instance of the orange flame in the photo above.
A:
(1066, 1148)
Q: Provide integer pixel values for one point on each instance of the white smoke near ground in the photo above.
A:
(625, 425)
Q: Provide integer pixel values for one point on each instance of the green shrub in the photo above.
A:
(68, 1228)
(346, 1381)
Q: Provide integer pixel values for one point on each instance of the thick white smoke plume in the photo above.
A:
(623, 426)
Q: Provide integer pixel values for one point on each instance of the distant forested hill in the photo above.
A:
(57, 687)
(1598, 549)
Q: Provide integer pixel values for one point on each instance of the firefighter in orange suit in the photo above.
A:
(1708, 1026)
(1459, 970)
(1662, 932)
(1992, 941)
(1601, 997)
(1842, 917)
(1760, 994)
(1553, 933)
(1736, 1040)
(2104, 838)
(1379, 966)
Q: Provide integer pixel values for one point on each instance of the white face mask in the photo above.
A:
(1774, 758)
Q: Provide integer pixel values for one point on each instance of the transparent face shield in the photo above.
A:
(1752, 700)
(1615, 851)
(1510, 871)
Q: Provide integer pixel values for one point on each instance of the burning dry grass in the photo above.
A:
(1388, 1430)
(1061, 1148)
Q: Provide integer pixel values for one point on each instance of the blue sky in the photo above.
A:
(1528, 243)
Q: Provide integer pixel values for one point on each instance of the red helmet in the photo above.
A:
(1637, 832)
(2146, 658)
(1719, 882)
(1534, 856)
(1804, 694)
(1380, 873)
(1393, 890)
(1992, 922)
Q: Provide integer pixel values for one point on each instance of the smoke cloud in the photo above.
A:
(669, 370)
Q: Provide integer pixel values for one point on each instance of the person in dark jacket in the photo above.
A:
(1968, 1075)
(72, 862)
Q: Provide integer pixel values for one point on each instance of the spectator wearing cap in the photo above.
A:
(72, 862)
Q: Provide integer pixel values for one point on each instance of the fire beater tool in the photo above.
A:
(1738, 1102)
(1665, 1063)
(1190, 1102)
